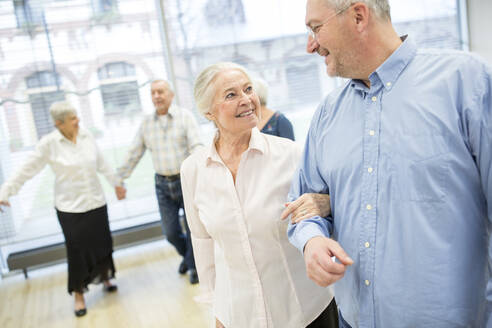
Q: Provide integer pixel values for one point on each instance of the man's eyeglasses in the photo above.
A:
(313, 31)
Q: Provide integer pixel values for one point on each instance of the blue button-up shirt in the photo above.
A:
(407, 163)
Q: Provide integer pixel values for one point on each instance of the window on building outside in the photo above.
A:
(43, 92)
(302, 81)
(119, 88)
(28, 12)
(221, 12)
(104, 6)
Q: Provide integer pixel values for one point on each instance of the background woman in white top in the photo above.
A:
(234, 193)
(80, 205)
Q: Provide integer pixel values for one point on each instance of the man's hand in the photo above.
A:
(319, 266)
(307, 206)
(120, 192)
(3, 203)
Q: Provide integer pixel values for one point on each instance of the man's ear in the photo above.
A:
(361, 15)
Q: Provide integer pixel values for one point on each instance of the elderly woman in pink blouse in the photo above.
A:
(74, 157)
(234, 194)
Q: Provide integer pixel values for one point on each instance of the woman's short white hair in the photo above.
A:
(204, 90)
(380, 7)
(261, 89)
(60, 109)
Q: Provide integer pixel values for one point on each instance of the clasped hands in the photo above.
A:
(120, 192)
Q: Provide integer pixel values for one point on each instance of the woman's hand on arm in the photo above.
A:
(306, 206)
(218, 324)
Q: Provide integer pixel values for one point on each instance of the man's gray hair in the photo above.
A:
(261, 88)
(61, 109)
(204, 90)
(380, 7)
(169, 86)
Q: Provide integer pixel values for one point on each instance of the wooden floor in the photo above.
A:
(151, 293)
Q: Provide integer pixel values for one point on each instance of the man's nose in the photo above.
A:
(312, 45)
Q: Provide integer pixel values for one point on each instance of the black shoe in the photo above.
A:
(111, 288)
(182, 268)
(193, 277)
(81, 312)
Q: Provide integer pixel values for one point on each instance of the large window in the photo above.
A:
(104, 63)
(103, 67)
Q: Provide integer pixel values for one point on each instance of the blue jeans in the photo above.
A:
(170, 199)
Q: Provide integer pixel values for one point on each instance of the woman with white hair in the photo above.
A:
(74, 157)
(234, 194)
(270, 122)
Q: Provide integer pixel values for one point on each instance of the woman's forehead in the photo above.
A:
(231, 77)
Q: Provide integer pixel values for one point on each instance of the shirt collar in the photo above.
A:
(256, 142)
(390, 70)
(171, 112)
(60, 136)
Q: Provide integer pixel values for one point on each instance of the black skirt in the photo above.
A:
(89, 247)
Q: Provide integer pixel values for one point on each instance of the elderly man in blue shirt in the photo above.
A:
(404, 149)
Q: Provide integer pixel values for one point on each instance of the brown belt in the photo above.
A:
(169, 177)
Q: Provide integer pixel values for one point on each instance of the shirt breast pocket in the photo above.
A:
(420, 168)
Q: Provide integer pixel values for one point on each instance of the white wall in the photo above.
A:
(480, 27)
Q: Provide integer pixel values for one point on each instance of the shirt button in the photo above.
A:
(374, 98)
(369, 207)
(367, 282)
(388, 84)
(367, 244)
(370, 170)
(371, 133)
